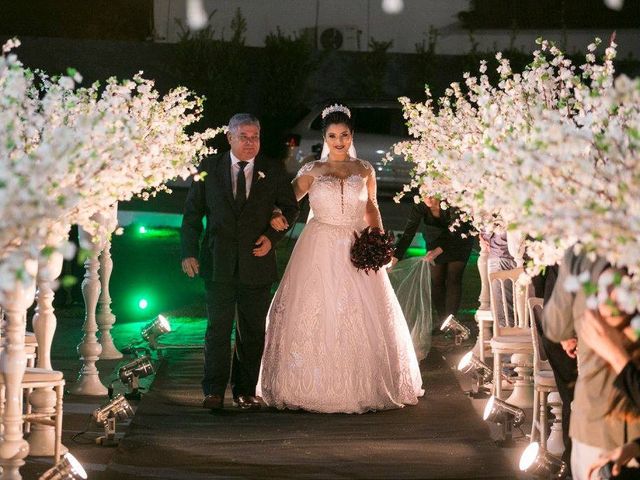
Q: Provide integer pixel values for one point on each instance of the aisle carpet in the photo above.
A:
(171, 437)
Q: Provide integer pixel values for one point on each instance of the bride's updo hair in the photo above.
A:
(336, 115)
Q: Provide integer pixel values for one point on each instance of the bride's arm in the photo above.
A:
(301, 186)
(372, 213)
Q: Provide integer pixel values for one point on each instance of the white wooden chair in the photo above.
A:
(543, 380)
(514, 338)
(41, 378)
(37, 378)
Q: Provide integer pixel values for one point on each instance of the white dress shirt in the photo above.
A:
(248, 173)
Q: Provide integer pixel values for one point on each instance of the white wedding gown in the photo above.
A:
(336, 339)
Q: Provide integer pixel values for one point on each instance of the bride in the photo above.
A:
(336, 338)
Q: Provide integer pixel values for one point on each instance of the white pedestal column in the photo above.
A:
(89, 349)
(105, 318)
(555, 443)
(13, 361)
(42, 438)
(485, 293)
(522, 395)
(483, 316)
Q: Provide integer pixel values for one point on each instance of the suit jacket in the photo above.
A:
(563, 317)
(229, 234)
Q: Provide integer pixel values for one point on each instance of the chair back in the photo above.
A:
(504, 285)
(540, 361)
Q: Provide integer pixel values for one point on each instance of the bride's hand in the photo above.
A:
(279, 222)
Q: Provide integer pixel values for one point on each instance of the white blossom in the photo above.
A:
(68, 155)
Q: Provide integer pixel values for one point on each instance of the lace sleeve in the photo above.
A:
(306, 169)
(373, 211)
(368, 168)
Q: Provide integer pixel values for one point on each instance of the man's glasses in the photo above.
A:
(245, 139)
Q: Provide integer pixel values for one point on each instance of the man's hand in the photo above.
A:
(570, 347)
(606, 341)
(263, 246)
(190, 266)
(279, 222)
(619, 457)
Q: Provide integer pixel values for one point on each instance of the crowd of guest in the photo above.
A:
(593, 352)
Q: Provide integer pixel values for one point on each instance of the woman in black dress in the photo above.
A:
(448, 252)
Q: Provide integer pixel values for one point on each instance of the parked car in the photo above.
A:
(378, 125)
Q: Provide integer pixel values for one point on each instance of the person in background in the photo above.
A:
(448, 252)
(500, 258)
(561, 356)
(612, 344)
(595, 427)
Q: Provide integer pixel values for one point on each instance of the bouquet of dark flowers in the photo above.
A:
(372, 249)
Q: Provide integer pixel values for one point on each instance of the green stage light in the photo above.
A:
(143, 303)
(416, 252)
(142, 230)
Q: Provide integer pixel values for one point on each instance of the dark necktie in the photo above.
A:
(241, 186)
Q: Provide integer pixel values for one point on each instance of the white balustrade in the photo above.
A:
(42, 438)
(105, 317)
(522, 395)
(483, 315)
(555, 442)
(89, 349)
(15, 301)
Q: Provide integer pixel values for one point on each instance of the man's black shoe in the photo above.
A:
(246, 402)
(213, 402)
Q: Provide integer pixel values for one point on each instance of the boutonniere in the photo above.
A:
(261, 174)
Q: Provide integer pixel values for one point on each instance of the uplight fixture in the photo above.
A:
(541, 464)
(155, 329)
(504, 414)
(459, 331)
(68, 468)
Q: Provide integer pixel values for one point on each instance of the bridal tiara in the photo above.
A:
(336, 108)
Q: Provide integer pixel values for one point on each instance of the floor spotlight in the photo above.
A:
(116, 409)
(68, 468)
(480, 372)
(504, 414)
(155, 329)
(540, 463)
(131, 372)
(460, 332)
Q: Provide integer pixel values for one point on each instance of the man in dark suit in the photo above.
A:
(236, 257)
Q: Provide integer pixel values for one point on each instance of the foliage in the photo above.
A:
(67, 155)
(371, 69)
(426, 62)
(548, 14)
(215, 68)
(286, 64)
(552, 152)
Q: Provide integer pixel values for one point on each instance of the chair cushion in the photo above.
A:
(545, 378)
(511, 344)
(39, 375)
(513, 341)
(30, 338)
(42, 375)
